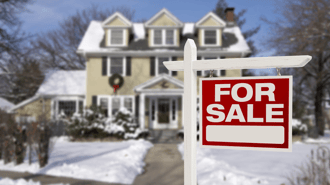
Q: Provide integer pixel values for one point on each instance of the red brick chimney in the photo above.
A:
(229, 14)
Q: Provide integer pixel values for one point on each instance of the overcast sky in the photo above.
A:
(45, 15)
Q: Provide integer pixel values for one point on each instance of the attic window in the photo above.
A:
(116, 37)
(158, 37)
(210, 37)
(164, 37)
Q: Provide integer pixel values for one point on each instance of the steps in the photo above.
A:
(164, 136)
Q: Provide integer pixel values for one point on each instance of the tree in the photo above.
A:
(240, 21)
(58, 51)
(302, 28)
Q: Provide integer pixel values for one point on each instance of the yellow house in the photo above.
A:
(131, 55)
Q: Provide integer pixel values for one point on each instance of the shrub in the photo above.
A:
(315, 171)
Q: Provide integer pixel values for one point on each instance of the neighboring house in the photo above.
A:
(5, 104)
(136, 51)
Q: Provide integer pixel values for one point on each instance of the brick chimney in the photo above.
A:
(229, 14)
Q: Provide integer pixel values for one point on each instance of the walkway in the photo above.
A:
(164, 165)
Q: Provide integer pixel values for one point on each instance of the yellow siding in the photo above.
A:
(210, 22)
(220, 37)
(178, 37)
(233, 73)
(200, 32)
(99, 85)
(127, 37)
(116, 22)
(36, 109)
(180, 75)
(163, 20)
(164, 85)
(150, 36)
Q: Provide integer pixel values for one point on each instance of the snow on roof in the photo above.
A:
(64, 83)
(93, 37)
(139, 31)
(5, 104)
(188, 28)
(241, 45)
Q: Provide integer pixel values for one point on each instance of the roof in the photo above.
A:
(157, 79)
(25, 102)
(160, 13)
(120, 16)
(64, 83)
(5, 104)
(212, 15)
(139, 31)
(188, 28)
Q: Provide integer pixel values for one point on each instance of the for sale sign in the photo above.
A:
(246, 113)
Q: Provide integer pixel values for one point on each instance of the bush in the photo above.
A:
(316, 171)
(93, 124)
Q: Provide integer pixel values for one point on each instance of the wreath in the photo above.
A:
(114, 78)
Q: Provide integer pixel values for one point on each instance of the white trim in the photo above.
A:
(121, 17)
(121, 103)
(157, 79)
(157, 66)
(117, 45)
(55, 101)
(163, 11)
(213, 15)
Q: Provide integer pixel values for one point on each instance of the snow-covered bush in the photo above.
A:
(93, 124)
(298, 128)
(316, 171)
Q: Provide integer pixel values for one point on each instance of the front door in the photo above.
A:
(163, 111)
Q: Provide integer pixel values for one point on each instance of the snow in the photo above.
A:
(139, 31)
(188, 28)
(64, 83)
(296, 122)
(115, 162)
(93, 37)
(7, 181)
(248, 167)
(241, 45)
(5, 104)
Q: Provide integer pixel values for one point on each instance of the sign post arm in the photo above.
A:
(190, 93)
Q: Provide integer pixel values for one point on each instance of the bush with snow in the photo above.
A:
(298, 128)
(93, 124)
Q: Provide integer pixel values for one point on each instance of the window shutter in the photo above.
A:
(152, 66)
(199, 73)
(94, 100)
(223, 72)
(128, 66)
(104, 66)
(174, 73)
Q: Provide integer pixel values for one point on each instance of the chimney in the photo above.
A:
(229, 14)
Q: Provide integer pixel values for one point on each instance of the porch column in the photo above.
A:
(141, 110)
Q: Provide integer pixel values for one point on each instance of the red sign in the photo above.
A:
(246, 113)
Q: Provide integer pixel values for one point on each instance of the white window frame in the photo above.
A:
(157, 65)
(109, 65)
(109, 37)
(216, 37)
(54, 113)
(121, 97)
(164, 37)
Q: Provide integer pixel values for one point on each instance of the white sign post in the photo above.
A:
(189, 66)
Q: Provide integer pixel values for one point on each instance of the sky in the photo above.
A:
(44, 15)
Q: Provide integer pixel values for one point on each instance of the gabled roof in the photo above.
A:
(160, 13)
(211, 15)
(117, 15)
(157, 79)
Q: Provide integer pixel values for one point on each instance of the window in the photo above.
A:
(161, 67)
(115, 105)
(104, 106)
(210, 37)
(67, 107)
(164, 37)
(116, 65)
(158, 37)
(117, 37)
(169, 37)
(128, 104)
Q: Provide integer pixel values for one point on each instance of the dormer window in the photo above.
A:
(164, 37)
(116, 37)
(210, 37)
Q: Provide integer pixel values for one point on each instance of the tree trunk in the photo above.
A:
(318, 113)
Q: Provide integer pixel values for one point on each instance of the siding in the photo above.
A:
(36, 109)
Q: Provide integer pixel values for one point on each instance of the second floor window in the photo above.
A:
(116, 65)
(116, 37)
(161, 67)
(210, 37)
(164, 37)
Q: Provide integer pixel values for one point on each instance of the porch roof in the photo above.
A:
(143, 87)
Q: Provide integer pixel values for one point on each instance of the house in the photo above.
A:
(136, 51)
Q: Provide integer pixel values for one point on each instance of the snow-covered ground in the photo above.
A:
(7, 181)
(245, 167)
(117, 162)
